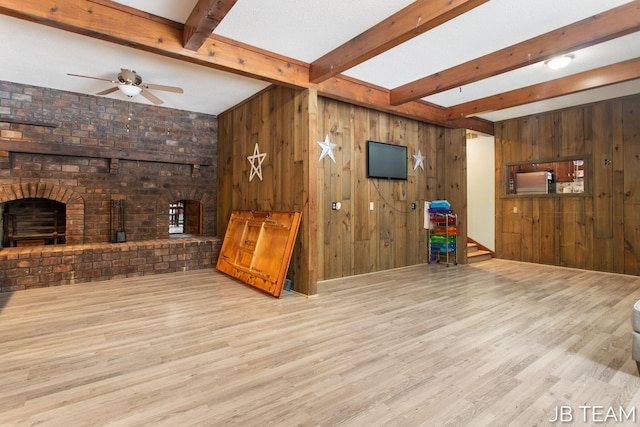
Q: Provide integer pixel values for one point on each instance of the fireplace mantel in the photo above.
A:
(31, 147)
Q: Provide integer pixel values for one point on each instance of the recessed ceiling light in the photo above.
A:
(559, 62)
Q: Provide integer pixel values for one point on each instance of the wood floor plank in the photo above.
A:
(490, 344)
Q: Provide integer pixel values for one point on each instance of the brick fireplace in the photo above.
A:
(73, 227)
(85, 152)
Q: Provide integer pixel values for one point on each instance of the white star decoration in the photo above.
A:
(256, 169)
(327, 148)
(419, 158)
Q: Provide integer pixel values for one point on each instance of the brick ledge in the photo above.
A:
(54, 265)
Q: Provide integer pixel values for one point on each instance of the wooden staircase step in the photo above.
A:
(478, 255)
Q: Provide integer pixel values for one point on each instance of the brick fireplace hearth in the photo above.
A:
(42, 266)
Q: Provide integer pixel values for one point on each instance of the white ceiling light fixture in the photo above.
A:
(559, 62)
(130, 90)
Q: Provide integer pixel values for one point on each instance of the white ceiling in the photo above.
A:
(307, 29)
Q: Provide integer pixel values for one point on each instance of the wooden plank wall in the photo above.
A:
(595, 231)
(355, 240)
(278, 119)
(287, 124)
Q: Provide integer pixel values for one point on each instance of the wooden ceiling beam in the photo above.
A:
(133, 11)
(604, 76)
(204, 18)
(409, 22)
(109, 21)
(608, 25)
(347, 89)
(356, 92)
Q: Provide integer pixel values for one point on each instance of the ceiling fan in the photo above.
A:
(130, 83)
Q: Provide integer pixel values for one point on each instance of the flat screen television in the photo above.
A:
(386, 161)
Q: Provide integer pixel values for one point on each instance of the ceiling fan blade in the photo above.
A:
(108, 91)
(163, 87)
(128, 75)
(89, 77)
(151, 97)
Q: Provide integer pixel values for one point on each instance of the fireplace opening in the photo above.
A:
(33, 222)
(185, 218)
(176, 218)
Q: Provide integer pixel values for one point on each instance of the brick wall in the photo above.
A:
(95, 150)
(132, 131)
(42, 266)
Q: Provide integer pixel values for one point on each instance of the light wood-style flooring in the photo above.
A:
(491, 344)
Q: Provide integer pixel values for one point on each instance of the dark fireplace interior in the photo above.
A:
(33, 222)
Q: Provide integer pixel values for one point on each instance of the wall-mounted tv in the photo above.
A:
(386, 161)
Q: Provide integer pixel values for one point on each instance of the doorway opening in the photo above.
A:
(185, 218)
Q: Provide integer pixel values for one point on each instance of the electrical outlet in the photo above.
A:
(515, 209)
(370, 206)
(413, 206)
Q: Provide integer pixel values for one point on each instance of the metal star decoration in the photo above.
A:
(419, 158)
(327, 148)
(256, 169)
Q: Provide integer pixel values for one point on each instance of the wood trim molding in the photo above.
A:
(23, 146)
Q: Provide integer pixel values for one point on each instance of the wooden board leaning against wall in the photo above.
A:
(257, 248)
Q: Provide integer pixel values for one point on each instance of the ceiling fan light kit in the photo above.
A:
(130, 83)
(130, 90)
(559, 62)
